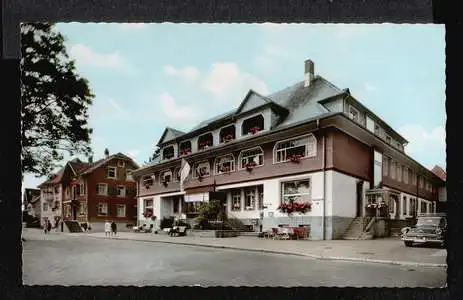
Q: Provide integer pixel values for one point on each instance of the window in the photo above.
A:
(236, 200)
(148, 180)
(120, 212)
(413, 175)
(148, 204)
(420, 182)
(185, 148)
(166, 176)
(399, 172)
(227, 134)
(128, 174)
(121, 163)
(260, 191)
(121, 191)
(176, 175)
(423, 207)
(354, 113)
(388, 139)
(102, 189)
(205, 141)
(377, 172)
(224, 164)
(385, 165)
(56, 189)
(45, 206)
(370, 124)
(202, 169)
(168, 152)
(413, 206)
(81, 188)
(295, 190)
(377, 130)
(102, 209)
(406, 175)
(251, 156)
(393, 169)
(112, 172)
(304, 146)
(252, 125)
(250, 199)
(404, 206)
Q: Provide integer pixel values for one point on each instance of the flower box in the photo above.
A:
(227, 138)
(254, 130)
(148, 213)
(295, 158)
(185, 151)
(250, 166)
(292, 206)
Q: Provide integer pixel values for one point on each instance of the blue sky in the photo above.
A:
(148, 76)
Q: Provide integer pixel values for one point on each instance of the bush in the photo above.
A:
(167, 222)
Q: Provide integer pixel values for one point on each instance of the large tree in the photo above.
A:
(55, 101)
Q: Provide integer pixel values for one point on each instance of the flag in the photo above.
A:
(184, 171)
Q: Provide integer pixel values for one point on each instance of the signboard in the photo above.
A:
(198, 197)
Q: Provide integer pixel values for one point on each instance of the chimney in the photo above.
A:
(90, 159)
(106, 153)
(309, 72)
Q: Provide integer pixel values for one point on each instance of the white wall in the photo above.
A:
(344, 197)
(272, 195)
(161, 207)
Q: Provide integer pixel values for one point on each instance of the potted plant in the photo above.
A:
(227, 138)
(185, 151)
(254, 130)
(295, 158)
(249, 166)
(148, 213)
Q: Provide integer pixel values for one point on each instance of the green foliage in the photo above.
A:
(55, 101)
(210, 211)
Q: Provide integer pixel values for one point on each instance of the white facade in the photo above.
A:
(51, 203)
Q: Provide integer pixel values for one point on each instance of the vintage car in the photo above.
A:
(429, 229)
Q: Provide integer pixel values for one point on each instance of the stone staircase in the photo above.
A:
(355, 230)
(73, 226)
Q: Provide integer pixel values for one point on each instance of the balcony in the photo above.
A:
(205, 141)
(252, 125)
(227, 134)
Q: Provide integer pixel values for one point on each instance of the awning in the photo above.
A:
(198, 197)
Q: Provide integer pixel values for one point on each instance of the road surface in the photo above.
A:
(80, 260)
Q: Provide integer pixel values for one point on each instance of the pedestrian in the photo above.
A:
(107, 229)
(45, 227)
(48, 226)
(114, 228)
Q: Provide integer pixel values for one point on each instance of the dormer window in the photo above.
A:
(388, 139)
(185, 148)
(354, 114)
(205, 141)
(176, 175)
(227, 134)
(252, 125)
(168, 152)
(202, 169)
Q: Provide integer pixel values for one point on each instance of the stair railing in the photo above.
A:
(367, 225)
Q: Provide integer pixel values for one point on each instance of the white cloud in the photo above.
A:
(188, 73)
(177, 112)
(132, 153)
(369, 87)
(226, 80)
(428, 145)
(85, 55)
(132, 25)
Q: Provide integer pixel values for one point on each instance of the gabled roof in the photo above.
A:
(439, 172)
(251, 96)
(101, 162)
(169, 134)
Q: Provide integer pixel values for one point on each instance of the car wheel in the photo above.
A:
(408, 244)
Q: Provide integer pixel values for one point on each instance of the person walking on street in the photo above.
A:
(45, 227)
(48, 226)
(107, 229)
(114, 228)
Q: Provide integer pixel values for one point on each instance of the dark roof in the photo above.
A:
(439, 172)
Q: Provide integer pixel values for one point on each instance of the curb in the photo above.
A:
(340, 258)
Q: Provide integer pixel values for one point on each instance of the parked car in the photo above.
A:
(429, 229)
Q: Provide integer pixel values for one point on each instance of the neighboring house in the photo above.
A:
(441, 205)
(98, 191)
(31, 202)
(311, 141)
(51, 198)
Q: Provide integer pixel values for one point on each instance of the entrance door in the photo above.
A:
(359, 198)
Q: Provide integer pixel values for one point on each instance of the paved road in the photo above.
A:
(80, 260)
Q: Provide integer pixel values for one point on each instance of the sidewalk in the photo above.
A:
(387, 251)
